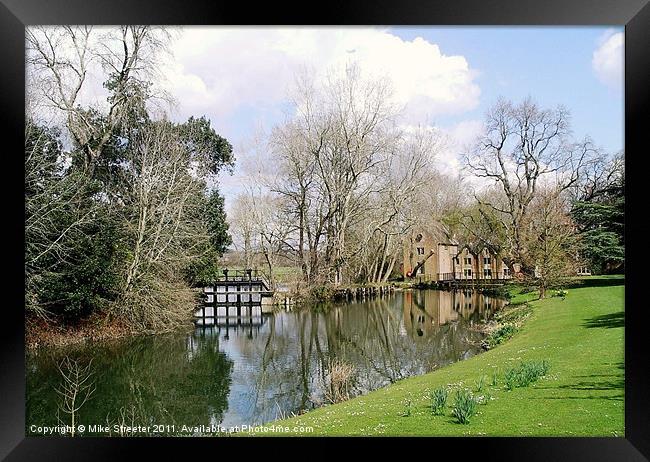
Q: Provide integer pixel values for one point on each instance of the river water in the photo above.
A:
(260, 368)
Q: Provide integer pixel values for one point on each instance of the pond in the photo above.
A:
(254, 370)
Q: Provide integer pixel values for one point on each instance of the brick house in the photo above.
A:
(436, 258)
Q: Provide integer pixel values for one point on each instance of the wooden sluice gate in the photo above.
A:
(234, 299)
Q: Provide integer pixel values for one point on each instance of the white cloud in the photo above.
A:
(218, 71)
(240, 77)
(607, 59)
(460, 137)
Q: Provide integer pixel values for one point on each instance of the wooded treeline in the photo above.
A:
(544, 180)
(349, 185)
(122, 215)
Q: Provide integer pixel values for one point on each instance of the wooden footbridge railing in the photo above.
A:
(461, 279)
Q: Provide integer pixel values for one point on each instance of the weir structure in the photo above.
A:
(234, 299)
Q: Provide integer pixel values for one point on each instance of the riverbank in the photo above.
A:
(581, 338)
(40, 333)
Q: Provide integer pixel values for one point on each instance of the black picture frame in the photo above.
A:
(633, 14)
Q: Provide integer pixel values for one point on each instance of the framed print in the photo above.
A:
(377, 222)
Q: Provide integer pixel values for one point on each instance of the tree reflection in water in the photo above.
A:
(167, 380)
(251, 374)
(385, 339)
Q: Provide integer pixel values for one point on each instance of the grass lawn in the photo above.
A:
(583, 393)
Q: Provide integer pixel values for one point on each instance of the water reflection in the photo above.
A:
(254, 372)
(168, 379)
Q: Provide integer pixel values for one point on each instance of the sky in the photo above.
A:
(443, 76)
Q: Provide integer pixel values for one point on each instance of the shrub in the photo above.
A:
(438, 400)
(525, 374)
(514, 313)
(499, 292)
(480, 383)
(500, 335)
(86, 281)
(560, 293)
(464, 406)
(407, 408)
(495, 378)
(321, 293)
(339, 383)
(486, 398)
(533, 370)
(510, 379)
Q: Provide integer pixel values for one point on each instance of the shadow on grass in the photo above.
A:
(597, 281)
(616, 397)
(608, 321)
(596, 385)
(603, 385)
(609, 382)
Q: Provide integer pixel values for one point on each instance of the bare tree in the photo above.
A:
(549, 235)
(602, 177)
(62, 59)
(478, 225)
(243, 224)
(402, 201)
(76, 388)
(296, 182)
(165, 201)
(524, 147)
(331, 153)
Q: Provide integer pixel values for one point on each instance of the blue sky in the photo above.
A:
(552, 64)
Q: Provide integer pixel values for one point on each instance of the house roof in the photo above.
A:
(476, 248)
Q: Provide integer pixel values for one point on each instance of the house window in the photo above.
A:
(457, 260)
(487, 273)
(506, 271)
(420, 250)
(467, 272)
(468, 260)
(486, 260)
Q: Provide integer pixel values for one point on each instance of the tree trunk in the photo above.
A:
(389, 270)
(420, 264)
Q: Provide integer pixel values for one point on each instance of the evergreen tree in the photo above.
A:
(599, 216)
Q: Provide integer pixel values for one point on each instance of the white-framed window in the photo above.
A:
(487, 260)
(468, 260)
(487, 272)
(420, 250)
(467, 272)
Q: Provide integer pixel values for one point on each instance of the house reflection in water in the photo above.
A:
(426, 311)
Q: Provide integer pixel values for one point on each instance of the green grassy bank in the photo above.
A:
(581, 337)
